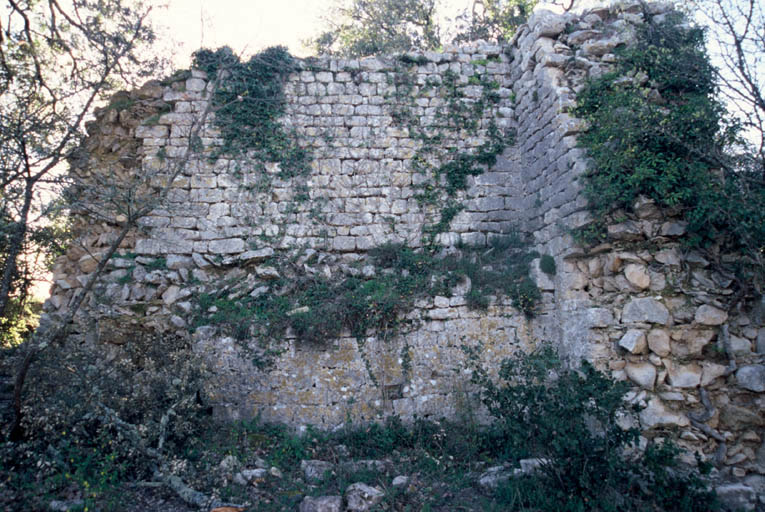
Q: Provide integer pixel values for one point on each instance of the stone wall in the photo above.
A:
(229, 221)
(640, 306)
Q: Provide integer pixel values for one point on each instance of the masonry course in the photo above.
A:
(613, 305)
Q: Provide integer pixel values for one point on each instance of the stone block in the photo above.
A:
(657, 414)
(637, 275)
(600, 317)
(344, 243)
(684, 376)
(321, 504)
(752, 377)
(643, 374)
(710, 315)
(151, 131)
(226, 246)
(195, 84)
(645, 310)
(658, 342)
(633, 341)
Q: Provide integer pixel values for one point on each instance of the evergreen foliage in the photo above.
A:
(570, 419)
(248, 105)
(664, 134)
(319, 308)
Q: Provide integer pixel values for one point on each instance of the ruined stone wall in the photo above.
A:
(641, 306)
(229, 222)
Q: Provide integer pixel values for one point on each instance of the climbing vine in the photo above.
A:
(663, 133)
(444, 168)
(248, 105)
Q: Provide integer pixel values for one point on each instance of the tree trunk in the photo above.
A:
(14, 249)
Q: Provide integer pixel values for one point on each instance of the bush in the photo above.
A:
(664, 134)
(569, 418)
(79, 399)
(547, 264)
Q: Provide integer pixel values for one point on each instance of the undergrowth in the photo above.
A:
(318, 308)
(569, 419)
(541, 409)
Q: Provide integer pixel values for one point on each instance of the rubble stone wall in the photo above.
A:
(641, 306)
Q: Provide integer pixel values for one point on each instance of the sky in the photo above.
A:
(245, 25)
(251, 25)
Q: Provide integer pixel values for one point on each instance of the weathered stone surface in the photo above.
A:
(195, 84)
(645, 310)
(736, 416)
(547, 24)
(256, 256)
(633, 341)
(600, 317)
(321, 504)
(710, 315)
(247, 476)
(642, 374)
(684, 376)
(314, 470)
(380, 466)
(710, 372)
(668, 257)
(88, 263)
(177, 262)
(625, 231)
(494, 476)
(171, 294)
(752, 377)
(400, 481)
(638, 276)
(656, 414)
(267, 272)
(690, 342)
(739, 497)
(362, 497)
(658, 342)
(229, 464)
(228, 246)
(740, 346)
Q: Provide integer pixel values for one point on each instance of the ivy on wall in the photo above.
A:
(248, 105)
(315, 307)
(658, 129)
(437, 159)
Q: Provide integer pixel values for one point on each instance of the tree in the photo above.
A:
(371, 27)
(57, 61)
(493, 20)
(736, 29)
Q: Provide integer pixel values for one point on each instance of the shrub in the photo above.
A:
(568, 417)
(78, 400)
(665, 135)
(547, 264)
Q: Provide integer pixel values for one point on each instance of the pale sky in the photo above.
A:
(246, 25)
(250, 25)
